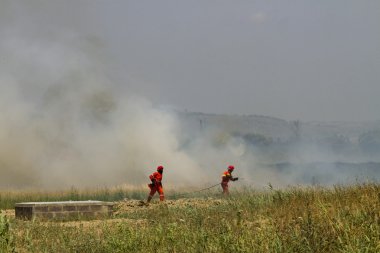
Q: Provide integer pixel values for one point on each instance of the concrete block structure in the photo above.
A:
(64, 210)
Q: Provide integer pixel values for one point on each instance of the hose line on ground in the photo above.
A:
(187, 193)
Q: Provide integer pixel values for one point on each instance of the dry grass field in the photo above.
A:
(299, 219)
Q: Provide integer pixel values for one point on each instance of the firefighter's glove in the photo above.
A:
(236, 179)
(153, 182)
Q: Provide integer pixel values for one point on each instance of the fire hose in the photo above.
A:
(204, 189)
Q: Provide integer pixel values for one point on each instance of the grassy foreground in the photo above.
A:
(338, 219)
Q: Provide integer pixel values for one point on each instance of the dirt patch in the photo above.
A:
(100, 223)
(10, 213)
(195, 202)
(130, 205)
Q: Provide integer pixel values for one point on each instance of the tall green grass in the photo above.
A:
(339, 219)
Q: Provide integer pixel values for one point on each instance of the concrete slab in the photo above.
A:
(63, 210)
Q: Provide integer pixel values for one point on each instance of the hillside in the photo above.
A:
(275, 127)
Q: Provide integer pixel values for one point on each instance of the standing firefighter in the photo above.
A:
(156, 185)
(226, 177)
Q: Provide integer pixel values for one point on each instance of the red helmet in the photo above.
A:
(231, 168)
(160, 168)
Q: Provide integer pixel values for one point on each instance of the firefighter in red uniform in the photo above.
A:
(226, 177)
(156, 185)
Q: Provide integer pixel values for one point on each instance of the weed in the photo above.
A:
(7, 243)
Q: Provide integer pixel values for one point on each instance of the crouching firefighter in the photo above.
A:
(156, 185)
(226, 177)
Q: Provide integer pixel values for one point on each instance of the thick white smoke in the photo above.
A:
(63, 122)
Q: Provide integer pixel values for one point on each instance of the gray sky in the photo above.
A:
(307, 60)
